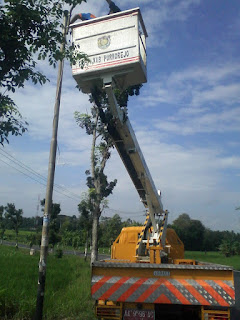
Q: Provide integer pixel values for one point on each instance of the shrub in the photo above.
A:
(226, 248)
(58, 253)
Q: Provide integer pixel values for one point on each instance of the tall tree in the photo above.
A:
(212, 240)
(99, 187)
(85, 220)
(95, 125)
(191, 232)
(15, 218)
(110, 228)
(30, 31)
(227, 247)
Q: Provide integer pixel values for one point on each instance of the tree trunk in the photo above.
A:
(93, 149)
(94, 251)
(16, 245)
(86, 248)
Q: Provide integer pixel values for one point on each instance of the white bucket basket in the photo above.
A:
(116, 48)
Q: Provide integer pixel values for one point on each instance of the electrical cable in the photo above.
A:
(127, 212)
(44, 184)
(25, 167)
(39, 176)
(30, 170)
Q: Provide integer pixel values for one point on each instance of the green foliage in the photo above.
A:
(85, 209)
(85, 122)
(67, 223)
(191, 232)
(130, 223)
(74, 239)
(123, 96)
(226, 248)
(32, 239)
(68, 233)
(74, 232)
(15, 218)
(183, 221)
(212, 240)
(236, 247)
(11, 119)
(58, 253)
(105, 187)
(32, 223)
(196, 237)
(99, 187)
(230, 244)
(30, 28)
(110, 228)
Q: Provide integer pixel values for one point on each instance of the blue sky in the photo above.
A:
(187, 120)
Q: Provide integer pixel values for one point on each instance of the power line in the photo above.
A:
(71, 195)
(44, 184)
(25, 167)
(127, 212)
(33, 172)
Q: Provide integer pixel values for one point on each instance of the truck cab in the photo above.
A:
(124, 247)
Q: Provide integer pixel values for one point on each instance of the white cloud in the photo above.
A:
(227, 120)
(226, 94)
(36, 104)
(157, 15)
(206, 75)
(196, 86)
(188, 111)
(198, 100)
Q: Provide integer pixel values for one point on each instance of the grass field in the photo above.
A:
(214, 257)
(67, 286)
(23, 235)
(12, 233)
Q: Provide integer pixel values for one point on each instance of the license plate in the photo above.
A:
(130, 314)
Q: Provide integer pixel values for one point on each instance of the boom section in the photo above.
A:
(130, 152)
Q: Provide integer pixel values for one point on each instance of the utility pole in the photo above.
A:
(50, 182)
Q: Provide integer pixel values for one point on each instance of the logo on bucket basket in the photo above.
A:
(104, 42)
